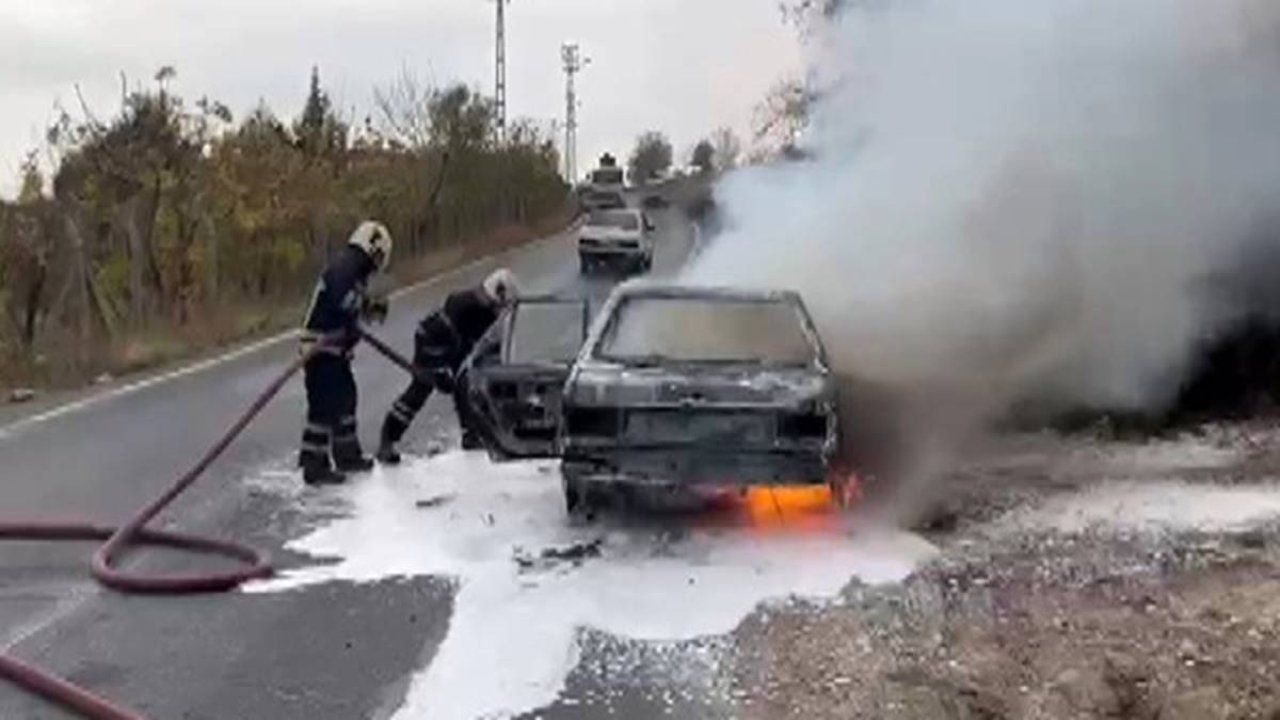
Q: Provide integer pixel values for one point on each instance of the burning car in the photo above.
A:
(681, 387)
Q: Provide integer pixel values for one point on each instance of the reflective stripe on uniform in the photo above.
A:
(401, 413)
(315, 448)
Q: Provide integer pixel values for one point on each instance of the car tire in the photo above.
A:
(577, 503)
(580, 503)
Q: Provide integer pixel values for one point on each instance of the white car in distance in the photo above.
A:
(621, 237)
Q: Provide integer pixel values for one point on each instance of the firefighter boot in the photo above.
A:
(347, 455)
(350, 459)
(316, 471)
(387, 453)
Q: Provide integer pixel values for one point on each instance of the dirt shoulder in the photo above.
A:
(1074, 579)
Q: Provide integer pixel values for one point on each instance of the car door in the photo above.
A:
(515, 378)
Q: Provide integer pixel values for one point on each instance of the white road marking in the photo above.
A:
(67, 602)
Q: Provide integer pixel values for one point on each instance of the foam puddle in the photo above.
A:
(512, 638)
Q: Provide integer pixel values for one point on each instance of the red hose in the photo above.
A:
(133, 534)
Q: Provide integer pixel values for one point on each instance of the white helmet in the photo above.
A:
(501, 287)
(375, 240)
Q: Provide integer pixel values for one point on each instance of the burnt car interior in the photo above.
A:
(513, 380)
(656, 330)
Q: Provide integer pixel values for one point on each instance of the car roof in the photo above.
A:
(643, 289)
(657, 289)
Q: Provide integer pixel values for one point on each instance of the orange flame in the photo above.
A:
(798, 505)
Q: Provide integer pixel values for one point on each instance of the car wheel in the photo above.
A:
(577, 498)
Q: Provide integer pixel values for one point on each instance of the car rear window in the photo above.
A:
(608, 176)
(545, 332)
(712, 330)
(621, 219)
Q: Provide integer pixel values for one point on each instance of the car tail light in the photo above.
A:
(630, 244)
(802, 425)
(592, 422)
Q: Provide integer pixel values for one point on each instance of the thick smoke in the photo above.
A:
(1015, 200)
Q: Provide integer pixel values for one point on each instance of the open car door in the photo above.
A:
(513, 381)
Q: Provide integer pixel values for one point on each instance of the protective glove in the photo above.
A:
(375, 309)
(443, 379)
(306, 345)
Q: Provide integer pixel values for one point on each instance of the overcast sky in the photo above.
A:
(681, 66)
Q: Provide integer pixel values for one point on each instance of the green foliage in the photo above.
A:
(167, 213)
(703, 156)
(652, 156)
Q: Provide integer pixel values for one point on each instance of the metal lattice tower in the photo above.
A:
(573, 63)
(500, 71)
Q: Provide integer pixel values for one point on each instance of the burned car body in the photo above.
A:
(511, 384)
(680, 386)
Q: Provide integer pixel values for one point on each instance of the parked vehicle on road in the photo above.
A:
(616, 238)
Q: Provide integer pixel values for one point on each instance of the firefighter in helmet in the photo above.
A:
(331, 329)
(441, 343)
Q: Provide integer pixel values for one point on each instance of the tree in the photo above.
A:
(652, 156)
(703, 156)
(318, 130)
(460, 118)
(404, 111)
(728, 149)
(167, 221)
(784, 115)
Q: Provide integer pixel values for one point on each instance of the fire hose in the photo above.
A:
(119, 541)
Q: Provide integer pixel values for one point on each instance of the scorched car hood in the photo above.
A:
(693, 384)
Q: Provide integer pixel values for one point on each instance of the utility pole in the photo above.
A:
(573, 63)
(500, 71)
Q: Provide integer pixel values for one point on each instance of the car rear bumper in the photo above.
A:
(607, 252)
(673, 466)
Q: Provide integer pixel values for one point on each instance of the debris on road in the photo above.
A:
(573, 555)
(434, 501)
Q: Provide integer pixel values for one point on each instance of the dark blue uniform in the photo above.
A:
(331, 388)
(441, 344)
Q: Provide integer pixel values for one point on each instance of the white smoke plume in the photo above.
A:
(1014, 200)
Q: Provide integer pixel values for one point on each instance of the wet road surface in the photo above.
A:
(336, 650)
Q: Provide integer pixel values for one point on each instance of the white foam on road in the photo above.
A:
(512, 638)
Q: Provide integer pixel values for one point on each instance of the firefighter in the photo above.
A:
(441, 343)
(341, 298)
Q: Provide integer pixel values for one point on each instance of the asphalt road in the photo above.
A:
(330, 651)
